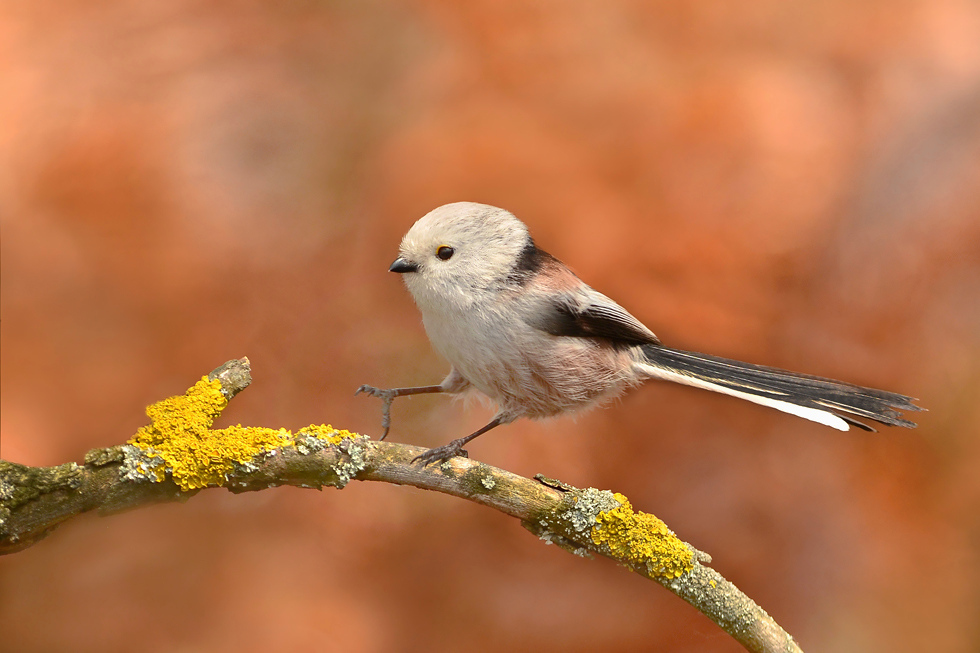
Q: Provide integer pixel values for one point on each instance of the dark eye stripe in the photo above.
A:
(445, 252)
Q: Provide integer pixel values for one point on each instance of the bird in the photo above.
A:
(520, 328)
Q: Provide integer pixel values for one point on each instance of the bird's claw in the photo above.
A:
(387, 396)
(440, 454)
(375, 392)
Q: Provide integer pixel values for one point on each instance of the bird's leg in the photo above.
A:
(454, 448)
(387, 395)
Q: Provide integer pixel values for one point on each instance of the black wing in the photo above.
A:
(597, 317)
(571, 308)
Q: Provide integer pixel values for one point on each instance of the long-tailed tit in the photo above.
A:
(518, 326)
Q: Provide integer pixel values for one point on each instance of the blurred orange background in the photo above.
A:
(794, 184)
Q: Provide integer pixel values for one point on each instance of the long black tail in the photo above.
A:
(811, 397)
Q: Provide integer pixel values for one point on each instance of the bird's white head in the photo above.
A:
(460, 254)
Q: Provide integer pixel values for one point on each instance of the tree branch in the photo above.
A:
(178, 454)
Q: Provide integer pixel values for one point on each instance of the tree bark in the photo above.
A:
(35, 500)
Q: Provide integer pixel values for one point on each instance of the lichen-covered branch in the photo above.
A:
(178, 454)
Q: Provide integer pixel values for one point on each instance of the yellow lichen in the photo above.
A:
(328, 433)
(197, 456)
(641, 539)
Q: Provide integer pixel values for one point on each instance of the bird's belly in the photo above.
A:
(529, 373)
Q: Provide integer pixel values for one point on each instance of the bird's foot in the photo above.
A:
(439, 454)
(387, 396)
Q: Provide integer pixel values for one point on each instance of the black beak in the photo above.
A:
(402, 266)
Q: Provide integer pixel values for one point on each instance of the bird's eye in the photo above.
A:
(445, 252)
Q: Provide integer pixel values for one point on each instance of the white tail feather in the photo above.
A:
(824, 417)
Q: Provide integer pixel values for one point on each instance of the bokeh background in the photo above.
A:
(795, 184)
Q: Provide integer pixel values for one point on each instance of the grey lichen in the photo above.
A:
(140, 465)
(356, 460)
(6, 489)
(478, 479)
(308, 444)
(586, 504)
(570, 525)
(247, 467)
(545, 534)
